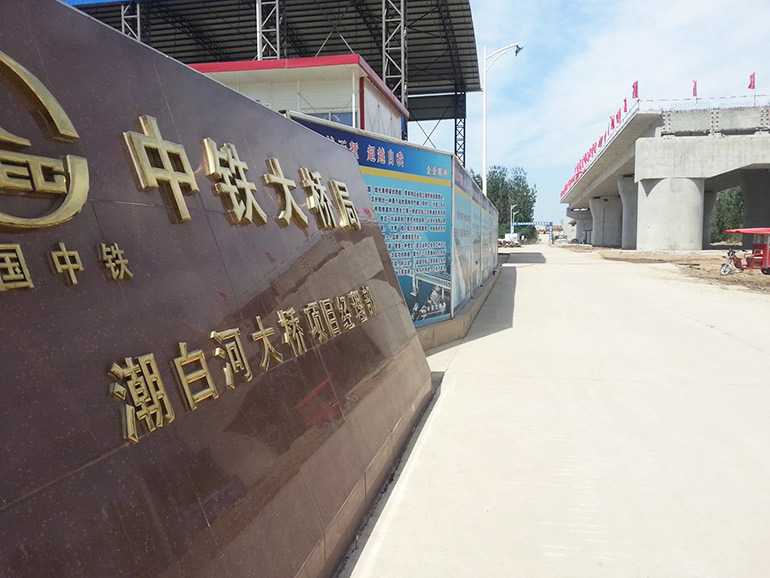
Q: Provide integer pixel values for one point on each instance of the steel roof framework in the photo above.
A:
(394, 48)
(436, 38)
(268, 29)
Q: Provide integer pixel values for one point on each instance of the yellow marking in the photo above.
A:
(404, 177)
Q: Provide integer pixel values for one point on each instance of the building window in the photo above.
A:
(345, 118)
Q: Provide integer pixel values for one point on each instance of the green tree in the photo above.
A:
(506, 187)
(728, 213)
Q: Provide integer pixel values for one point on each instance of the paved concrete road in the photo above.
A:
(600, 419)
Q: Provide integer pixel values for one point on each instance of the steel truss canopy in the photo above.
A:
(440, 59)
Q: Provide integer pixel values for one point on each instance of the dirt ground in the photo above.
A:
(700, 265)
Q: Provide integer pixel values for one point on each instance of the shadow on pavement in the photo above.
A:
(497, 313)
(516, 258)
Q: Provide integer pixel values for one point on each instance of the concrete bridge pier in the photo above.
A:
(629, 196)
(709, 202)
(670, 216)
(597, 231)
(583, 223)
(755, 186)
(607, 215)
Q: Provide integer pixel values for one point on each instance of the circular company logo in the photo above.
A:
(27, 175)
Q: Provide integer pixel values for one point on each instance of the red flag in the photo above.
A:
(752, 79)
(635, 89)
(695, 88)
(625, 105)
(612, 122)
(617, 117)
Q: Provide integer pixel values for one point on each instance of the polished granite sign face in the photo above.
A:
(206, 363)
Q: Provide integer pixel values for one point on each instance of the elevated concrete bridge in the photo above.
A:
(653, 186)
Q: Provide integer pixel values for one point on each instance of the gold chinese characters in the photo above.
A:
(14, 273)
(162, 164)
(283, 187)
(186, 380)
(13, 269)
(147, 399)
(228, 171)
(67, 262)
(116, 263)
(158, 163)
(318, 200)
(140, 385)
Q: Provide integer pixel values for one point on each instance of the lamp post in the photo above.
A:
(489, 60)
(512, 214)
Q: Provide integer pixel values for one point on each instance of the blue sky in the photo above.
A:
(552, 101)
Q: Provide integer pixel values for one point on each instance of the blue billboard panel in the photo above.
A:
(86, 2)
(475, 236)
(411, 194)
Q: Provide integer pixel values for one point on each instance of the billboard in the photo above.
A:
(411, 194)
(463, 264)
(475, 236)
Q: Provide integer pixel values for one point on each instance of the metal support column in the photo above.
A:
(268, 29)
(460, 115)
(394, 49)
(131, 20)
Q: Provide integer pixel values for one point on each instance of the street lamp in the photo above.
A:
(492, 58)
(512, 213)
